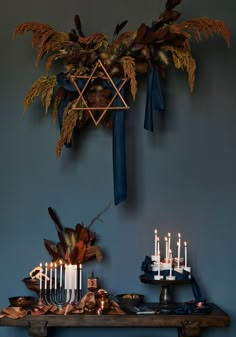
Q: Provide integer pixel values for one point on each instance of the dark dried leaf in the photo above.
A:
(56, 220)
(142, 30)
(52, 249)
(172, 3)
(78, 25)
(169, 16)
(119, 27)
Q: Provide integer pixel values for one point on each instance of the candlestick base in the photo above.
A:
(170, 278)
(158, 277)
(155, 258)
(179, 270)
(188, 269)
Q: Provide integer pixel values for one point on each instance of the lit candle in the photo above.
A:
(158, 246)
(60, 273)
(155, 239)
(179, 248)
(166, 249)
(66, 276)
(169, 243)
(170, 254)
(40, 276)
(178, 245)
(51, 266)
(80, 276)
(46, 276)
(159, 265)
(185, 255)
(55, 275)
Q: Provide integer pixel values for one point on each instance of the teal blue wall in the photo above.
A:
(179, 180)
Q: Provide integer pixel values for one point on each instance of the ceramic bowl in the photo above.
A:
(21, 301)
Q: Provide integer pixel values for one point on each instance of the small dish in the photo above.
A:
(21, 301)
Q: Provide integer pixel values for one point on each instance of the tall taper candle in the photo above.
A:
(60, 273)
(40, 276)
(166, 249)
(51, 266)
(80, 277)
(55, 275)
(185, 255)
(170, 255)
(169, 235)
(158, 246)
(155, 242)
(46, 276)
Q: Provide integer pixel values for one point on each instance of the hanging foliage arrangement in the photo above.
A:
(90, 86)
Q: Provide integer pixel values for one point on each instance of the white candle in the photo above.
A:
(65, 276)
(170, 254)
(80, 276)
(46, 276)
(155, 242)
(185, 255)
(159, 265)
(70, 276)
(51, 266)
(158, 246)
(178, 258)
(169, 243)
(76, 274)
(166, 249)
(55, 275)
(60, 273)
(40, 276)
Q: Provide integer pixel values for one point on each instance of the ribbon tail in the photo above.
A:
(119, 161)
(154, 98)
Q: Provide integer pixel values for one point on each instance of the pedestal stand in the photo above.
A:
(166, 298)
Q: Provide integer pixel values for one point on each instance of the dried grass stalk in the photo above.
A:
(44, 86)
(129, 68)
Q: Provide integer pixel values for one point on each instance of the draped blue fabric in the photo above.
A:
(119, 161)
(154, 98)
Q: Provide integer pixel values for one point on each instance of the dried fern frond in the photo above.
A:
(44, 86)
(129, 68)
(183, 60)
(205, 28)
(93, 251)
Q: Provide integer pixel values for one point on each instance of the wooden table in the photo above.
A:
(186, 325)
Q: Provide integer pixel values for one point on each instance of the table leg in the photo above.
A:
(37, 328)
(189, 329)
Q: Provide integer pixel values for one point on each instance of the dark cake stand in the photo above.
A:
(166, 298)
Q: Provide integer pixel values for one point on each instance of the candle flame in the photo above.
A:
(155, 231)
(185, 243)
(165, 238)
(169, 234)
(51, 264)
(60, 261)
(179, 235)
(55, 265)
(40, 265)
(46, 264)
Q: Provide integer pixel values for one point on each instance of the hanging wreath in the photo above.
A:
(91, 85)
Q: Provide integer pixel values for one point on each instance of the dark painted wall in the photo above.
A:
(179, 180)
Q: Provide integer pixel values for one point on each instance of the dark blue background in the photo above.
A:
(180, 180)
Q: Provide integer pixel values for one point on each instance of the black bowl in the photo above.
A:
(21, 301)
(130, 300)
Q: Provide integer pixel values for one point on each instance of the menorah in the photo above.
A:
(62, 289)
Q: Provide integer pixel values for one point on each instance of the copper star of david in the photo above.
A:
(109, 106)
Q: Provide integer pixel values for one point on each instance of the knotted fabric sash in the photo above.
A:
(154, 98)
(119, 162)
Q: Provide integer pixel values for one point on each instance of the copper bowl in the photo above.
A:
(32, 284)
(21, 301)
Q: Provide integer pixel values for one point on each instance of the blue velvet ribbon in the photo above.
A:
(154, 98)
(119, 162)
(149, 274)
